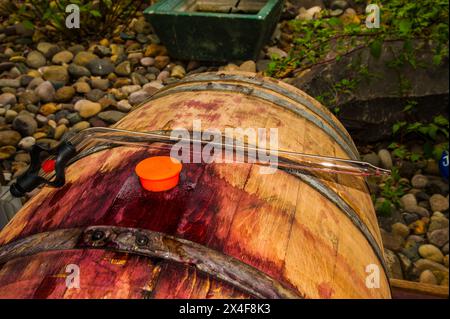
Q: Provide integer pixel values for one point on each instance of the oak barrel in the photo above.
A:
(226, 231)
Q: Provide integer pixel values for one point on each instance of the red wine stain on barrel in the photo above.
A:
(325, 290)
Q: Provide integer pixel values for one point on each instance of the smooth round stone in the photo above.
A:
(74, 118)
(48, 49)
(438, 237)
(128, 89)
(439, 203)
(99, 83)
(35, 60)
(427, 277)
(248, 66)
(82, 87)
(87, 108)
(9, 137)
(147, 61)
(81, 126)
(26, 143)
(59, 131)
(7, 151)
(178, 72)
(25, 124)
(62, 57)
(41, 119)
(49, 108)
(123, 106)
(84, 58)
(100, 67)
(28, 97)
(45, 91)
(57, 75)
(65, 94)
(400, 229)
(431, 252)
(123, 69)
(111, 116)
(95, 95)
(10, 115)
(161, 62)
(78, 71)
(7, 99)
(419, 181)
(138, 97)
(385, 159)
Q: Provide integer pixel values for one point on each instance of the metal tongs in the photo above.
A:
(92, 139)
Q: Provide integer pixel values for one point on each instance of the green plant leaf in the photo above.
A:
(440, 120)
(376, 48)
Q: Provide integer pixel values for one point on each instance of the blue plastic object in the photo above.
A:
(443, 165)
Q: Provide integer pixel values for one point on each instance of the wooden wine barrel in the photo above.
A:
(226, 231)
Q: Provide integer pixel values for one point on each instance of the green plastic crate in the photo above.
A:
(214, 30)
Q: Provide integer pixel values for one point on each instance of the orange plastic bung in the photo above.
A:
(159, 173)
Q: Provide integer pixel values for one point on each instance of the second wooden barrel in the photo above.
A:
(226, 231)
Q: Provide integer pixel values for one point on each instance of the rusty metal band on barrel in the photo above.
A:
(157, 245)
(350, 148)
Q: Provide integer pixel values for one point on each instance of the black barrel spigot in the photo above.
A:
(30, 180)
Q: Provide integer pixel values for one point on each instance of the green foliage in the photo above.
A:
(97, 18)
(329, 38)
(431, 133)
(392, 190)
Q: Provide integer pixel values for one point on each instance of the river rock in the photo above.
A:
(99, 83)
(439, 203)
(248, 66)
(45, 91)
(65, 94)
(57, 75)
(419, 181)
(6, 152)
(138, 97)
(48, 49)
(59, 131)
(111, 116)
(7, 99)
(35, 60)
(393, 265)
(78, 71)
(424, 264)
(385, 159)
(427, 277)
(100, 67)
(438, 222)
(393, 242)
(154, 50)
(161, 61)
(123, 69)
(95, 95)
(400, 229)
(25, 124)
(438, 237)
(62, 57)
(431, 252)
(28, 97)
(26, 143)
(123, 106)
(87, 108)
(10, 83)
(9, 137)
(84, 58)
(82, 87)
(371, 158)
